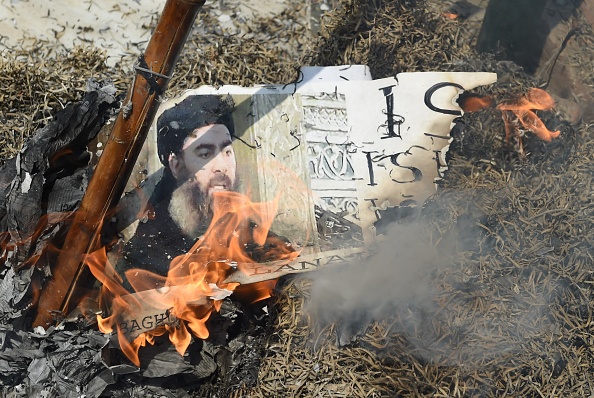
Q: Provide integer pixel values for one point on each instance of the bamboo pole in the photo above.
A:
(117, 161)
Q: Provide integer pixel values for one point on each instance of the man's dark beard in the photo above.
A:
(191, 208)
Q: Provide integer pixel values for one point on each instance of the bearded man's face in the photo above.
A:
(205, 165)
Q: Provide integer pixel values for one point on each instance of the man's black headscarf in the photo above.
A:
(179, 121)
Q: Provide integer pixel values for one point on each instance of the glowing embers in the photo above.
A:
(518, 115)
(180, 303)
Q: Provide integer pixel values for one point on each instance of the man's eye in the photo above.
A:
(229, 151)
(203, 154)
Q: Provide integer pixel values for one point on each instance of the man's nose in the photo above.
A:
(219, 163)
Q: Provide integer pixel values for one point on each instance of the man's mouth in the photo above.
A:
(219, 184)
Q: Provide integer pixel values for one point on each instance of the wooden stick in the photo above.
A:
(107, 185)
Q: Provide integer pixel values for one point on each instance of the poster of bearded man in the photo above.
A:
(206, 146)
(333, 163)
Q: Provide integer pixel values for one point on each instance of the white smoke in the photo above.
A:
(354, 295)
(442, 307)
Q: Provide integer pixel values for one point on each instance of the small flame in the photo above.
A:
(255, 292)
(450, 15)
(522, 108)
(194, 285)
(518, 114)
(474, 103)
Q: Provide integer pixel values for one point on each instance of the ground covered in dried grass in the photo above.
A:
(510, 306)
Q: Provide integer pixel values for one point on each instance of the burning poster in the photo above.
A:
(254, 183)
(374, 148)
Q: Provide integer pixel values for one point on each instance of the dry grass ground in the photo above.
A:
(510, 308)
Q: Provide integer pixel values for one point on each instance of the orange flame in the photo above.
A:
(450, 15)
(194, 285)
(518, 114)
(474, 103)
(255, 292)
(522, 108)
